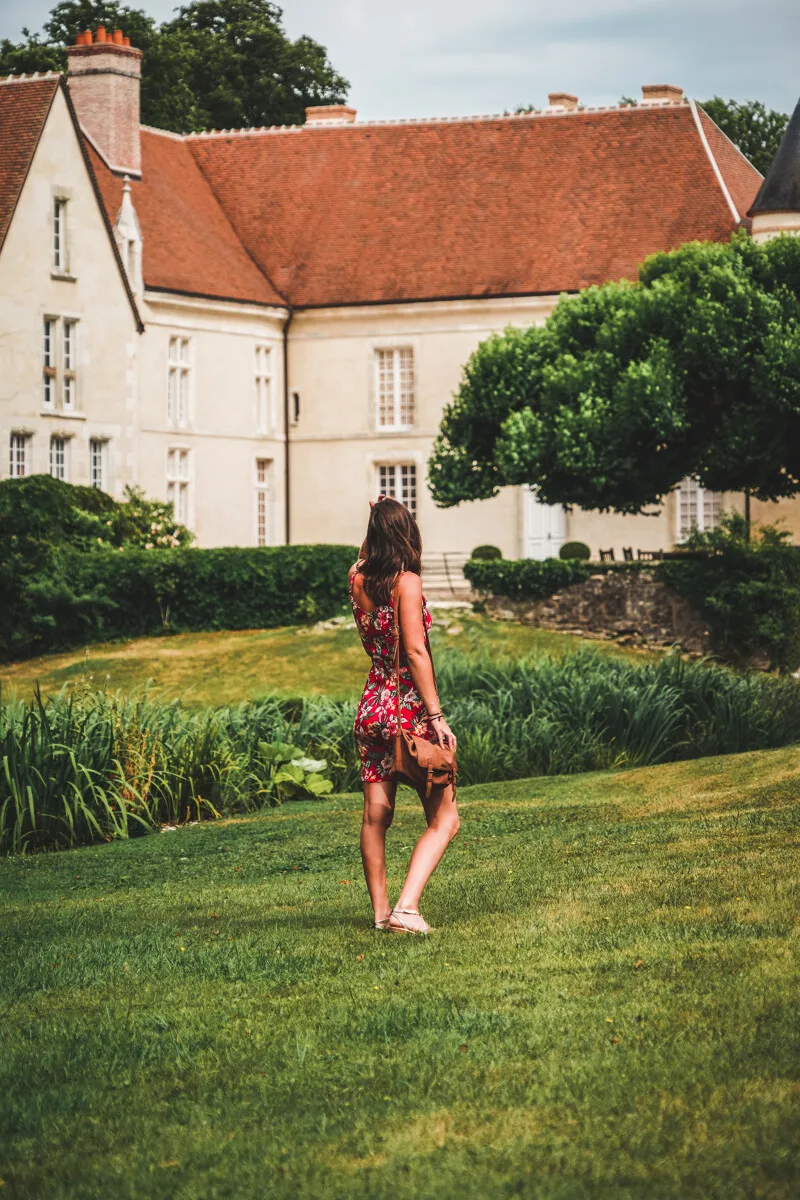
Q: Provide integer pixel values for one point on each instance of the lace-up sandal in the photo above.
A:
(407, 920)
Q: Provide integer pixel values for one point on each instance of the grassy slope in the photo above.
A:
(224, 668)
(204, 1013)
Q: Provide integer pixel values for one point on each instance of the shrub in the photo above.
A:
(486, 553)
(524, 578)
(92, 767)
(575, 550)
(104, 594)
(748, 590)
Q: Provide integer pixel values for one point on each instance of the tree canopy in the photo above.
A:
(218, 64)
(754, 128)
(693, 369)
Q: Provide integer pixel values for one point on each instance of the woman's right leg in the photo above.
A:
(378, 814)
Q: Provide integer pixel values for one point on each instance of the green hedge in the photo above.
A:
(82, 596)
(524, 578)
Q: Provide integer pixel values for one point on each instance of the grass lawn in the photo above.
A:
(607, 1009)
(224, 668)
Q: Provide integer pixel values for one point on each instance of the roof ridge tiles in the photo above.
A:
(38, 76)
(251, 131)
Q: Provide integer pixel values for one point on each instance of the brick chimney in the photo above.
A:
(104, 80)
(561, 102)
(330, 114)
(661, 93)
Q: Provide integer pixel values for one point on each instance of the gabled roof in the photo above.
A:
(780, 191)
(25, 103)
(24, 107)
(533, 204)
(188, 244)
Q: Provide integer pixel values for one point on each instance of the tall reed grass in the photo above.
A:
(90, 766)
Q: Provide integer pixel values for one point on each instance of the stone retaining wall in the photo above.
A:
(633, 607)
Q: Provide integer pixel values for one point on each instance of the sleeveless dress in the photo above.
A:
(375, 726)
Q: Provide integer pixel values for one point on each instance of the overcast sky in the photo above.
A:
(456, 57)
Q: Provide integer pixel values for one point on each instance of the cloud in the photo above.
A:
(454, 57)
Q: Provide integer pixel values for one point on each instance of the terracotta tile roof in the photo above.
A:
(24, 105)
(740, 176)
(188, 243)
(469, 208)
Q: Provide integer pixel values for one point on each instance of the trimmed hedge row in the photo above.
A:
(84, 596)
(524, 578)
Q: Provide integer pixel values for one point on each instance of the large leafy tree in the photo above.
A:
(694, 369)
(218, 64)
(754, 128)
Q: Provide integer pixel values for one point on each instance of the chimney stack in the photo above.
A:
(104, 81)
(561, 102)
(661, 93)
(330, 114)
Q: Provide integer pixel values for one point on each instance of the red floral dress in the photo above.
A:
(376, 720)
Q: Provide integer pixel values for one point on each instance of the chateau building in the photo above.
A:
(264, 325)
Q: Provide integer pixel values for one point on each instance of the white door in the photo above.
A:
(545, 527)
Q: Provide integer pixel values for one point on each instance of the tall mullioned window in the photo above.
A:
(399, 480)
(179, 482)
(698, 508)
(49, 372)
(69, 360)
(179, 369)
(98, 463)
(263, 377)
(263, 481)
(59, 234)
(395, 370)
(19, 455)
(59, 457)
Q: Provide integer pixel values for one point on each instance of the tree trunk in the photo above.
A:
(747, 514)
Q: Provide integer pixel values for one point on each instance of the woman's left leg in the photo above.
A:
(441, 813)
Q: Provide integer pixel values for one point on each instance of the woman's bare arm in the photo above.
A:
(419, 663)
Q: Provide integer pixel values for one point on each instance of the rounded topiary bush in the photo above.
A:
(577, 550)
(487, 553)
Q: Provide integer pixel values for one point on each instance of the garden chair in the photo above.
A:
(607, 555)
(627, 553)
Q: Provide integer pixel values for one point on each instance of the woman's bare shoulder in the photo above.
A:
(409, 584)
(355, 569)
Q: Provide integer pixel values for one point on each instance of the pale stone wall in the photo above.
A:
(221, 432)
(93, 294)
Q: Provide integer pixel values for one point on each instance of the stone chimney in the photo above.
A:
(561, 102)
(104, 80)
(330, 114)
(661, 93)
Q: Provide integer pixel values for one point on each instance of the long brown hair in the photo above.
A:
(393, 544)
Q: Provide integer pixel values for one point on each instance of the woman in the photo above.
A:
(388, 573)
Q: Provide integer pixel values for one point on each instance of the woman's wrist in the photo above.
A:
(437, 716)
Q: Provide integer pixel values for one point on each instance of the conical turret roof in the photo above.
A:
(780, 191)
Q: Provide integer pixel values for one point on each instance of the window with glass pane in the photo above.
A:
(179, 366)
(69, 361)
(98, 455)
(263, 388)
(395, 370)
(60, 234)
(697, 508)
(178, 483)
(18, 464)
(399, 480)
(48, 361)
(263, 470)
(59, 449)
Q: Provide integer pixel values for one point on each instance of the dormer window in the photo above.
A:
(60, 260)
